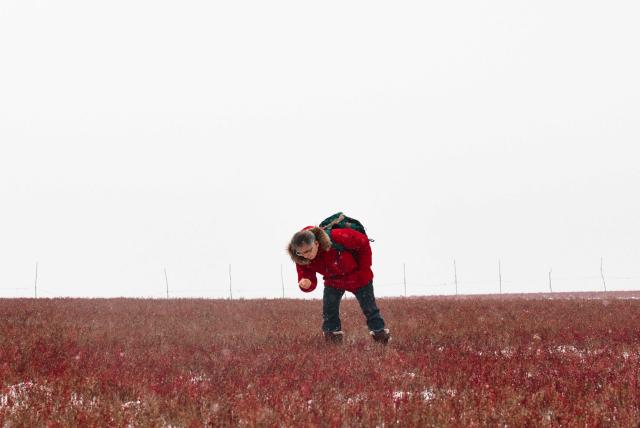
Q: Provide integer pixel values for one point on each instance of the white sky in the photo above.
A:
(139, 135)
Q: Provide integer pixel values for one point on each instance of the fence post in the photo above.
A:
(500, 275)
(550, 289)
(166, 281)
(404, 271)
(35, 283)
(282, 279)
(455, 275)
(230, 290)
(604, 284)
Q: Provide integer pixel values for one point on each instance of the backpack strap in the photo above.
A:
(327, 228)
(334, 222)
(334, 244)
(337, 246)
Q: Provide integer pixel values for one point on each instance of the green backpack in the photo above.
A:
(341, 221)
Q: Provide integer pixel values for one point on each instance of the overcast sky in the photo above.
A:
(142, 135)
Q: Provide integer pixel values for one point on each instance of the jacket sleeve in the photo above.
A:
(358, 244)
(310, 274)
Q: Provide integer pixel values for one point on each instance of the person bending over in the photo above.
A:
(345, 267)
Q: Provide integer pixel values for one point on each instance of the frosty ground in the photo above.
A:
(549, 359)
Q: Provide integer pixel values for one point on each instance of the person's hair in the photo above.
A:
(304, 237)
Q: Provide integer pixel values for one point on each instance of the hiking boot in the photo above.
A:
(382, 336)
(333, 336)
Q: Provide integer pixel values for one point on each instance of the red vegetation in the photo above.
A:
(463, 362)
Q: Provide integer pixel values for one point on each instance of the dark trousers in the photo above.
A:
(331, 308)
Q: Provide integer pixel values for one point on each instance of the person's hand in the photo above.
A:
(304, 283)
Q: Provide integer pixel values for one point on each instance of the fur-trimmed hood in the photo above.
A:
(321, 236)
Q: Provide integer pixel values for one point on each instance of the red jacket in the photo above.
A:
(349, 269)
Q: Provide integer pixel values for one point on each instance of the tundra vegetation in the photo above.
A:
(473, 361)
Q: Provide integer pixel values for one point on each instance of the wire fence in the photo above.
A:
(402, 287)
(387, 289)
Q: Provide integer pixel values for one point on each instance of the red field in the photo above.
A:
(471, 361)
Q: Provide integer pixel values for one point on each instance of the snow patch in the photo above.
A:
(17, 394)
(426, 394)
(134, 405)
(508, 352)
(356, 398)
(199, 378)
